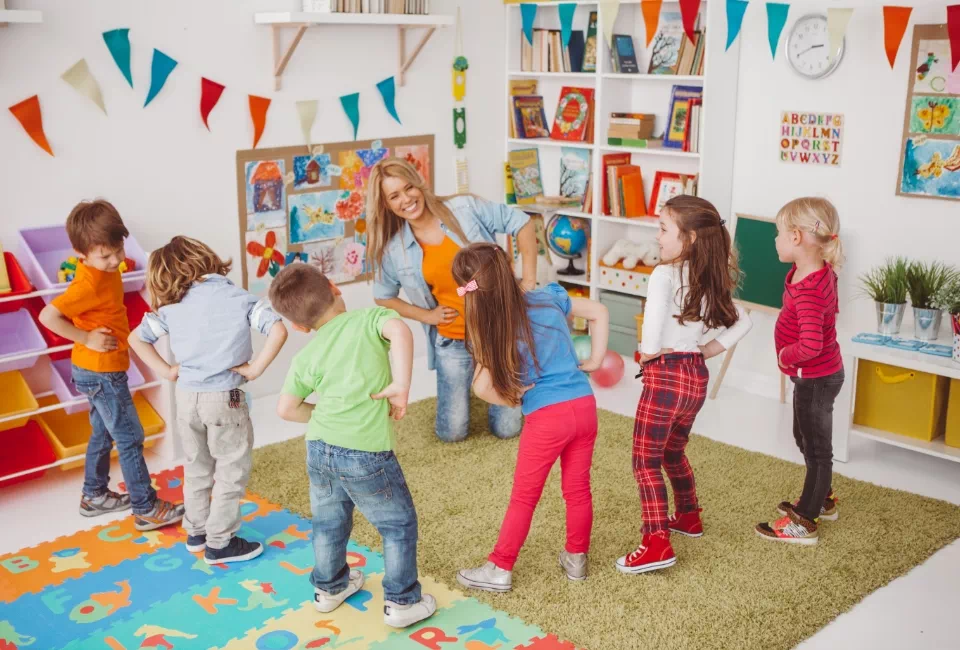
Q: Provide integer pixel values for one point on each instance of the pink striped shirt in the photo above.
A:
(806, 332)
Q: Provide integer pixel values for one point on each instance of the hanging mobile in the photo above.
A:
(460, 66)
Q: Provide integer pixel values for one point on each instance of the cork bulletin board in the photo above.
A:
(296, 204)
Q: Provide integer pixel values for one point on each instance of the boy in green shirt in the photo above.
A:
(350, 437)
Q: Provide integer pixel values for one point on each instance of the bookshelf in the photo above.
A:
(641, 93)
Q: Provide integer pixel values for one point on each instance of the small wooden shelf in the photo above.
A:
(301, 20)
(17, 16)
(935, 447)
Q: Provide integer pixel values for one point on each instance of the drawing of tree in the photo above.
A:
(324, 259)
(661, 52)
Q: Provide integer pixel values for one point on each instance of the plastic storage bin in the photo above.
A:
(898, 400)
(42, 250)
(15, 398)
(25, 447)
(70, 433)
(19, 335)
(19, 284)
(952, 428)
(62, 384)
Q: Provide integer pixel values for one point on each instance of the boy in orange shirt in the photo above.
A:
(91, 314)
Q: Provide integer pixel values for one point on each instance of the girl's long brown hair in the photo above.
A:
(383, 223)
(712, 270)
(495, 316)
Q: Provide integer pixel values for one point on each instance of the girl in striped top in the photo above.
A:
(807, 352)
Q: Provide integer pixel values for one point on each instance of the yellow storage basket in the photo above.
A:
(898, 400)
(952, 436)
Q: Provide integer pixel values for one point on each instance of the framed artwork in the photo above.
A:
(666, 185)
(930, 151)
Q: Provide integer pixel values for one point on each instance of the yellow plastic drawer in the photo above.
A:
(952, 434)
(639, 319)
(902, 401)
(15, 398)
(70, 432)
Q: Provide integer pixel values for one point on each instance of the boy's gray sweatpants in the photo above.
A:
(217, 439)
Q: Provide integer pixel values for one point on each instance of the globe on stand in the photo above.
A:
(567, 237)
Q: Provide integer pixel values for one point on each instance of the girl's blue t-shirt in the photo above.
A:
(559, 378)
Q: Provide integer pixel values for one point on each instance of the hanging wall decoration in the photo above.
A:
(811, 138)
(460, 127)
(735, 11)
(28, 114)
(895, 21)
(118, 42)
(388, 91)
(837, 21)
(258, 113)
(609, 9)
(308, 114)
(776, 19)
(566, 12)
(210, 92)
(690, 11)
(160, 69)
(351, 106)
(528, 14)
(83, 81)
(651, 18)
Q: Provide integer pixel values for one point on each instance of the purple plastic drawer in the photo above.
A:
(66, 392)
(43, 250)
(19, 335)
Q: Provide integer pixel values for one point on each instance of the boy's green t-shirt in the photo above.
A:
(346, 362)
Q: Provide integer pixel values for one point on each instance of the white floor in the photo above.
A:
(916, 611)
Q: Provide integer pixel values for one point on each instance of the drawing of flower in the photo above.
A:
(353, 258)
(351, 207)
(270, 258)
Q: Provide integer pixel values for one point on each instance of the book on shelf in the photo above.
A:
(518, 87)
(634, 126)
(574, 174)
(573, 120)
(667, 185)
(525, 167)
(642, 143)
(665, 47)
(623, 55)
(575, 51)
(529, 118)
(610, 160)
(510, 195)
(691, 140)
(419, 7)
(547, 53)
(590, 46)
(675, 132)
(625, 187)
(587, 205)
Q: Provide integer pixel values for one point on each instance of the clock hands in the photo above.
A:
(812, 47)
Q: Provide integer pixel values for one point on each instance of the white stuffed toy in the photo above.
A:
(631, 252)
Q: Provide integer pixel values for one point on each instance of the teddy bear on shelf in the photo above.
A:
(631, 252)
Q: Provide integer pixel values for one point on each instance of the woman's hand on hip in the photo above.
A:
(441, 316)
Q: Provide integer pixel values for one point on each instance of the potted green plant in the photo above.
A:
(887, 285)
(923, 283)
(948, 299)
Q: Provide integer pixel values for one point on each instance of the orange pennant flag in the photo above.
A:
(28, 114)
(895, 21)
(258, 112)
(651, 17)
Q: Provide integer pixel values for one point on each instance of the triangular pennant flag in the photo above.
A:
(388, 90)
(28, 114)
(776, 19)
(953, 32)
(528, 13)
(837, 20)
(118, 42)
(895, 21)
(566, 12)
(160, 68)
(351, 106)
(609, 9)
(651, 18)
(689, 10)
(735, 11)
(258, 113)
(83, 82)
(210, 92)
(308, 113)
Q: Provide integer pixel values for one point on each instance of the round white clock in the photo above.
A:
(808, 48)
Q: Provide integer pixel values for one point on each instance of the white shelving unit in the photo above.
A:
(17, 16)
(618, 92)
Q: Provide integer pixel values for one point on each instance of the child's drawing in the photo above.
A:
(313, 217)
(265, 194)
(417, 155)
(931, 167)
(311, 171)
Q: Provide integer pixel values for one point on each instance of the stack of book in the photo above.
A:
(692, 54)
(368, 6)
(691, 141)
(630, 129)
(547, 54)
(623, 194)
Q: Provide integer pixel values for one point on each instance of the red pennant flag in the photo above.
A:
(689, 9)
(651, 17)
(258, 113)
(28, 114)
(953, 31)
(895, 21)
(210, 92)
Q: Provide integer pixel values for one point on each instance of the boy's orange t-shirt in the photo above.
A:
(438, 272)
(95, 299)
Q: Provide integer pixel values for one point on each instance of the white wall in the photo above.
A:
(875, 222)
(162, 169)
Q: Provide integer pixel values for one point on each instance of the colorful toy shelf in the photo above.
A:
(301, 20)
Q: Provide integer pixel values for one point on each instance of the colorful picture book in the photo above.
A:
(610, 160)
(527, 182)
(624, 191)
(529, 119)
(510, 195)
(667, 185)
(665, 47)
(590, 51)
(519, 88)
(623, 55)
(574, 172)
(573, 120)
(675, 133)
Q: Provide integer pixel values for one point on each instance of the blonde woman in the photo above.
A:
(413, 236)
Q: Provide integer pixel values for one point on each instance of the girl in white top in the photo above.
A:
(690, 316)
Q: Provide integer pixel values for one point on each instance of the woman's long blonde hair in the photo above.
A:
(383, 223)
(819, 218)
(172, 269)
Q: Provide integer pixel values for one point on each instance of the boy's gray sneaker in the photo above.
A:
(575, 564)
(163, 514)
(489, 577)
(325, 602)
(396, 615)
(109, 501)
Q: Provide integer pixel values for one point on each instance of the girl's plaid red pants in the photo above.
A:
(674, 390)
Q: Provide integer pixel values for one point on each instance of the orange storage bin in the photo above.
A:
(15, 398)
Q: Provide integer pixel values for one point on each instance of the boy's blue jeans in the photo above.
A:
(113, 418)
(373, 482)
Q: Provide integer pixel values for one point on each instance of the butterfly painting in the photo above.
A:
(937, 114)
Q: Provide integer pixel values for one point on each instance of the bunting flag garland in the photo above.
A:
(689, 10)
(651, 18)
(160, 68)
(953, 33)
(837, 20)
(307, 110)
(351, 106)
(388, 90)
(528, 13)
(118, 42)
(735, 11)
(258, 113)
(566, 12)
(28, 114)
(609, 9)
(210, 92)
(895, 21)
(83, 81)
(776, 19)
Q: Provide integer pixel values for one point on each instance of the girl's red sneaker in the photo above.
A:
(686, 523)
(654, 552)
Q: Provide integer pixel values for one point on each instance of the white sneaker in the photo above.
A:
(489, 577)
(574, 564)
(396, 615)
(325, 602)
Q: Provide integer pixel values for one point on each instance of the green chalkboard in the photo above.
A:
(763, 272)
